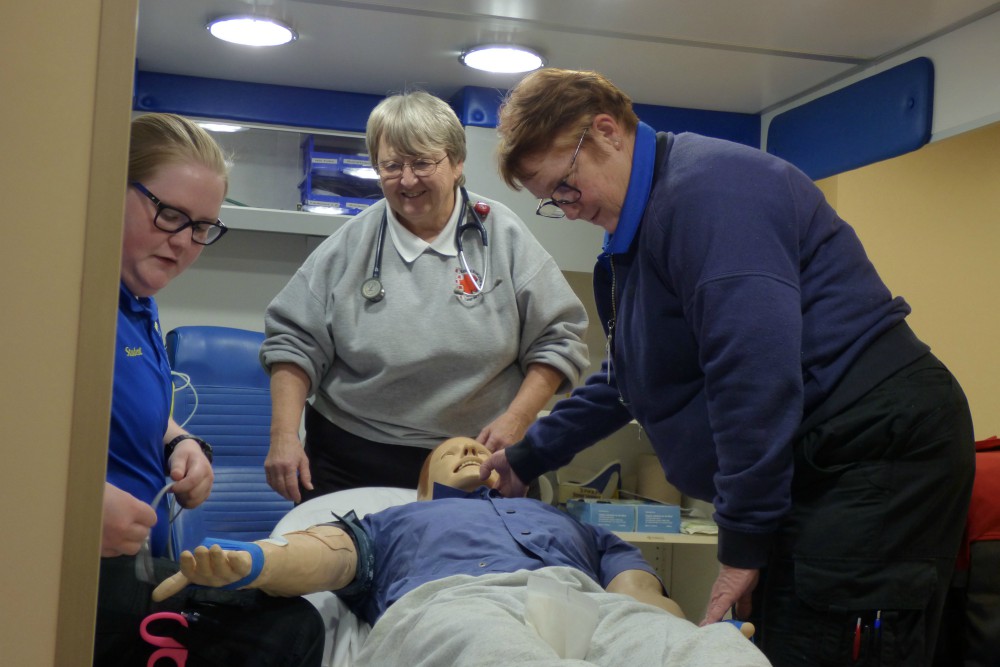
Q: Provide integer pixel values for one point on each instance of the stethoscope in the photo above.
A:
(373, 290)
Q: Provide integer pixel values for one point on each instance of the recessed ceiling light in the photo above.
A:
(221, 127)
(502, 59)
(251, 30)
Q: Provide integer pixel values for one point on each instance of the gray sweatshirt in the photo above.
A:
(427, 362)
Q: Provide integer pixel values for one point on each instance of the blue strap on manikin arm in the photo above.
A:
(365, 575)
(256, 558)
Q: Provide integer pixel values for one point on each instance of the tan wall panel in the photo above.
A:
(930, 221)
(66, 79)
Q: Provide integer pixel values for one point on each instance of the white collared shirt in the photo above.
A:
(410, 246)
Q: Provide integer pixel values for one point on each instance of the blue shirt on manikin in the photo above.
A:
(481, 533)
(140, 408)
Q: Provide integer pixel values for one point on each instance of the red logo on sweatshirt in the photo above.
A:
(464, 283)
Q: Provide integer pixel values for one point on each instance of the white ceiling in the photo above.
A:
(725, 55)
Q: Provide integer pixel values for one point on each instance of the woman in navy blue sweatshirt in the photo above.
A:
(774, 372)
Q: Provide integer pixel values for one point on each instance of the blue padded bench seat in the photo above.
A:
(230, 407)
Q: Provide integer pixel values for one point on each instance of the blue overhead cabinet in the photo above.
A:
(877, 118)
(338, 180)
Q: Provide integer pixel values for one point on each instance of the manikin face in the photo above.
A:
(421, 203)
(455, 463)
(151, 258)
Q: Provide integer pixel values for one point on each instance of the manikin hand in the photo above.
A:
(126, 522)
(320, 558)
(192, 474)
(733, 586)
(504, 431)
(286, 465)
(213, 567)
(509, 485)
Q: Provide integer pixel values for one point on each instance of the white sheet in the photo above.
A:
(455, 621)
(465, 621)
(345, 631)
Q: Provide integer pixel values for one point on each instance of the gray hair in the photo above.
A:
(414, 124)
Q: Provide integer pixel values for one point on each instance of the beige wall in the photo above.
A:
(930, 221)
(66, 80)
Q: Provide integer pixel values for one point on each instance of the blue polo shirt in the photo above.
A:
(140, 407)
(481, 533)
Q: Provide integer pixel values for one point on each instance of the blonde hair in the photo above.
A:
(161, 139)
(551, 107)
(416, 123)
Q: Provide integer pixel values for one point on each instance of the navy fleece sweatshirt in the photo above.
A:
(736, 299)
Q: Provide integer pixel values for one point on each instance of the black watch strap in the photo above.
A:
(168, 449)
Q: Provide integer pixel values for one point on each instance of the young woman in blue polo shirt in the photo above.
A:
(177, 180)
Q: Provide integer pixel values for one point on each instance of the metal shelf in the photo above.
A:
(668, 538)
(281, 222)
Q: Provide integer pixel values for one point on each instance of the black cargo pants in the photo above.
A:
(880, 492)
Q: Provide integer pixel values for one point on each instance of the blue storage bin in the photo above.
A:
(329, 183)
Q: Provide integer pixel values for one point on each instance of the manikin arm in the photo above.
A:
(644, 587)
(320, 558)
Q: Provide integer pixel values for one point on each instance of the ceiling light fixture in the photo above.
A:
(251, 30)
(502, 58)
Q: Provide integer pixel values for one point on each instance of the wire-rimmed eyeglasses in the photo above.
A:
(564, 193)
(173, 220)
(390, 170)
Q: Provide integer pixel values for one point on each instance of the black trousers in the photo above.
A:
(341, 460)
(226, 628)
(879, 498)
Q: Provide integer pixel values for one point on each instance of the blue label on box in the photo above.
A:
(626, 516)
(613, 516)
(658, 519)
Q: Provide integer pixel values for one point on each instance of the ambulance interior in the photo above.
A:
(920, 188)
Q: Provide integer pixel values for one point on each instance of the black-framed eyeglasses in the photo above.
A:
(564, 193)
(173, 220)
(422, 166)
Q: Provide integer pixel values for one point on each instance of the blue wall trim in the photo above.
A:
(479, 107)
(742, 128)
(874, 119)
(877, 118)
(333, 110)
(253, 102)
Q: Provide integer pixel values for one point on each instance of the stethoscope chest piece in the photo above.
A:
(372, 290)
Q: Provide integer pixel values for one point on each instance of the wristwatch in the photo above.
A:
(168, 449)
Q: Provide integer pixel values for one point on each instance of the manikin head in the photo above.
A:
(455, 462)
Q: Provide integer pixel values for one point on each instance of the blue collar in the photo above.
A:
(639, 185)
(135, 304)
(442, 491)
